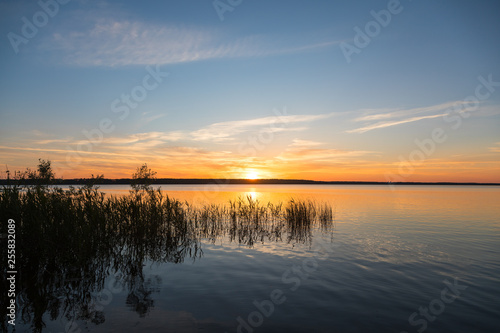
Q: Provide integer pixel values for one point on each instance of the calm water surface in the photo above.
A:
(413, 259)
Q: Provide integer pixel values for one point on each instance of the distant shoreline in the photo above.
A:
(202, 181)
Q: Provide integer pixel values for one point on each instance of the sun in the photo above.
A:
(252, 175)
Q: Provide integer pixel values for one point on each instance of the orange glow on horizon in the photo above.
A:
(229, 166)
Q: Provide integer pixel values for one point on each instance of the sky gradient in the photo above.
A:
(322, 90)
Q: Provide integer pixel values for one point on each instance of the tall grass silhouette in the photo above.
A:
(70, 241)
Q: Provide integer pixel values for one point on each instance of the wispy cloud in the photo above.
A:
(392, 123)
(158, 137)
(496, 148)
(304, 150)
(225, 131)
(147, 118)
(392, 117)
(49, 141)
(305, 143)
(228, 132)
(395, 113)
(127, 42)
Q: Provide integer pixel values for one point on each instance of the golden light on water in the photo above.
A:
(252, 194)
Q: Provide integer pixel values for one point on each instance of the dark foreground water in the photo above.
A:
(412, 259)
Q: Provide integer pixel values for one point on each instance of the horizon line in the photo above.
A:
(236, 181)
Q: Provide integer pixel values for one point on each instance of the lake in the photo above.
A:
(395, 259)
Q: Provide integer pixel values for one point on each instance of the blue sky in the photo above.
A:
(230, 80)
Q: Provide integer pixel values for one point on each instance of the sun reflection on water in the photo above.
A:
(253, 194)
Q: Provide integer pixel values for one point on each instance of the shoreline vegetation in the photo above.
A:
(70, 241)
(33, 197)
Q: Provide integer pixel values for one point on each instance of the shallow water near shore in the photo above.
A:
(406, 258)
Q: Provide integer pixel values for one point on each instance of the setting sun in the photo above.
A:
(252, 175)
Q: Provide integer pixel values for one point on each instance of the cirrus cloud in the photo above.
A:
(116, 42)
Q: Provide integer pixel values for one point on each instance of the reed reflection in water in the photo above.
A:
(70, 242)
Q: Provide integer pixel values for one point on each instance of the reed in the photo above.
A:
(45, 213)
(69, 241)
